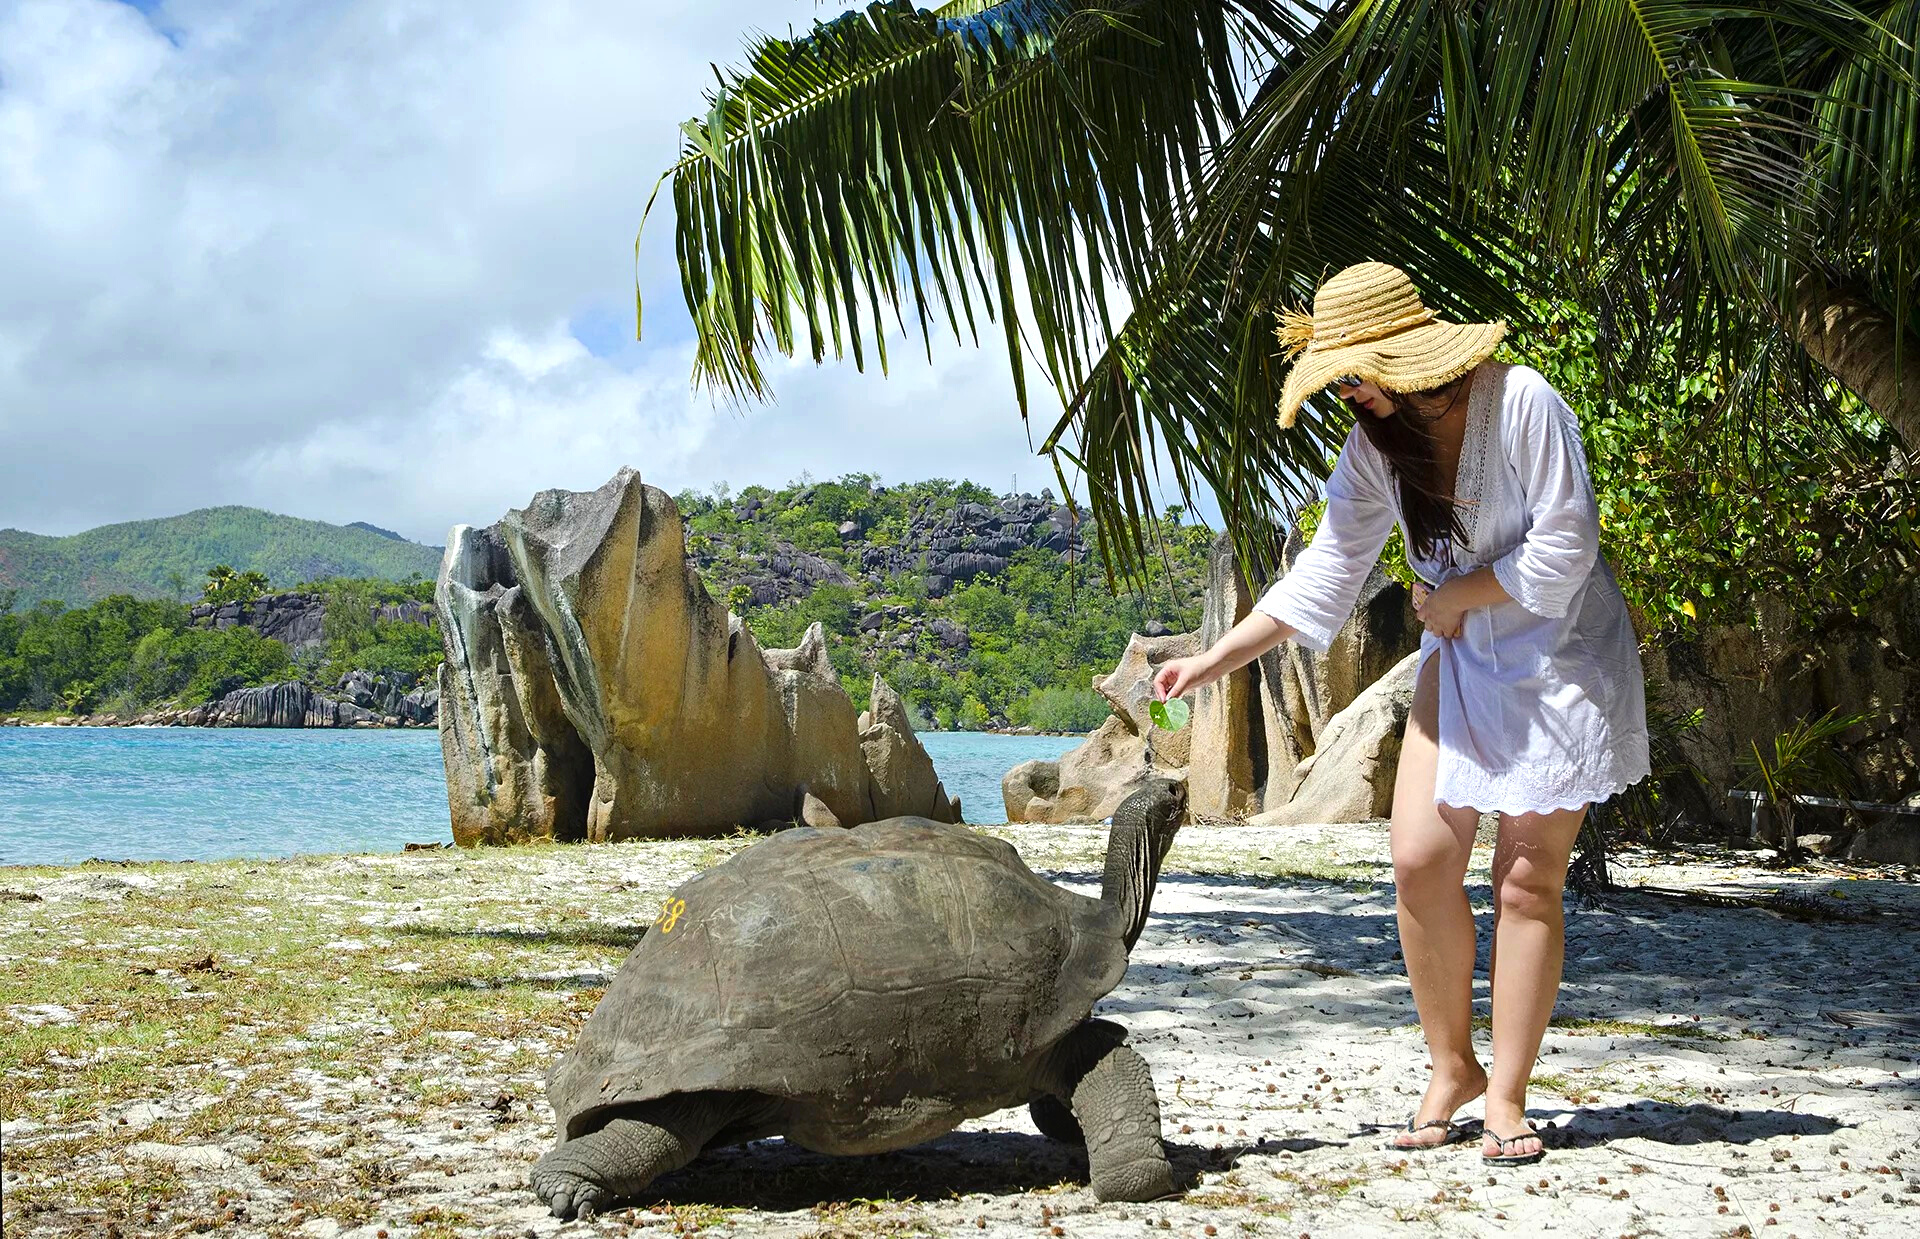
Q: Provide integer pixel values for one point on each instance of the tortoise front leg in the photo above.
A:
(1119, 1116)
(581, 1177)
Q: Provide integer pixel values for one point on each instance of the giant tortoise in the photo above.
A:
(863, 990)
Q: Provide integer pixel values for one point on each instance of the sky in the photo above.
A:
(374, 260)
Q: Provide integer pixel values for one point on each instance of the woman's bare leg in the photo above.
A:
(1529, 945)
(1431, 847)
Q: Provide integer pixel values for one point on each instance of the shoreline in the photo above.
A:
(109, 720)
(95, 720)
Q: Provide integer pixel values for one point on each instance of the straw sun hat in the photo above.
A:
(1368, 321)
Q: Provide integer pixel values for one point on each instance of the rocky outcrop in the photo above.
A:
(1254, 734)
(396, 694)
(904, 782)
(296, 619)
(290, 704)
(1349, 775)
(1089, 782)
(593, 690)
(1753, 681)
(1229, 734)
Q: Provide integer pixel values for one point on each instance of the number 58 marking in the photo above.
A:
(670, 913)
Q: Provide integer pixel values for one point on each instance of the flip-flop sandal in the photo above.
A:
(1455, 1134)
(1504, 1158)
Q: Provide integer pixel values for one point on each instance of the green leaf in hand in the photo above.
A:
(1169, 715)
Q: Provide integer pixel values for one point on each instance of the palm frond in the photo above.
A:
(1000, 158)
(1658, 162)
(1194, 376)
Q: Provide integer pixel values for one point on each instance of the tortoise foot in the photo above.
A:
(1120, 1117)
(1143, 1179)
(567, 1193)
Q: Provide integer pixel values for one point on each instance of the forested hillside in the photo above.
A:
(167, 558)
(981, 610)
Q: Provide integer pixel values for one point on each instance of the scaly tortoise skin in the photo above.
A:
(863, 990)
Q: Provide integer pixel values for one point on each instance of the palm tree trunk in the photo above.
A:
(1860, 342)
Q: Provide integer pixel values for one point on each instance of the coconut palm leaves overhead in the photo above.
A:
(1132, 188)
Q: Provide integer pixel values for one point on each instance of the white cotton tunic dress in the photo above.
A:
(1542, 699)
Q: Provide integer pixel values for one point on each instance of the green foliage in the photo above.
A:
(1806, 759)
(1036, 635)
(1393, 557)
(1170, 715)
(357, 641)
(1732, 172)
(225, 585)
(392, 645)
(1060, 708)
(159, 558)
(125, 653)
(1698, 518)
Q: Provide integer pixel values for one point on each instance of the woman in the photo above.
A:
(1529, 698)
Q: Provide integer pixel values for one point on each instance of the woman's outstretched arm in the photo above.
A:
(1244, 642)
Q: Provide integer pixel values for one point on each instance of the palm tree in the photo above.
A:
(222, 581)
(1133, 188)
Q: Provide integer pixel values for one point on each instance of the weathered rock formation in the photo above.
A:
(1349, 775)
(297, 618)
(1088, 783)
(1254, 734)
(396, 694)
(290, 704)
(593, 690)
(1753, 682)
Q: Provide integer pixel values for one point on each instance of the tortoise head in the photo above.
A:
(1143, 830)
(1159, 808)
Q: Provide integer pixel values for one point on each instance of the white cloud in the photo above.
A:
(322, 259)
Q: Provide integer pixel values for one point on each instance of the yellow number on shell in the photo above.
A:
(670, 913)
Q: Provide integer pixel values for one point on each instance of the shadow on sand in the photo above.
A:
(776, 1176)
(1674, 1124)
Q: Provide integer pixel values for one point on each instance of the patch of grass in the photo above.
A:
(1227, 1196)
(864, 1218)
(436, 1222)
(1334, 1184)
(1581, 1025)
(1306, 865)
(1664, 1090)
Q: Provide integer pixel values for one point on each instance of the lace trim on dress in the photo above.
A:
(1476, 457)
(1498, 796)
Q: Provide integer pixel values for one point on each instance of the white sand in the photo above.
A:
(1278, 1025)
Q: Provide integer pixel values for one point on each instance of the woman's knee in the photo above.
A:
(1429, 858)
(1529, 891)
(1530, 863)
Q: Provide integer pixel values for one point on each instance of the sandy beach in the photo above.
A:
(356, 1045)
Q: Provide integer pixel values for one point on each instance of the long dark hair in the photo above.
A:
(1406, 440)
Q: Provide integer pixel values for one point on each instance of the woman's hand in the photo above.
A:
(1441, 609)
(1177, 676)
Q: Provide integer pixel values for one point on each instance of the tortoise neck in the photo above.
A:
(1133, 867)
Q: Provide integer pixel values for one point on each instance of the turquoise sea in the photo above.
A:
(69, 794)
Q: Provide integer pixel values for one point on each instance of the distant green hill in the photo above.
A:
(168, 558)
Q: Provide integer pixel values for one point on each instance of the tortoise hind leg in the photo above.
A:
(1117, 1112)
(582, 1176)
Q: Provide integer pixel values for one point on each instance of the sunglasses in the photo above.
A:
(1347, 380)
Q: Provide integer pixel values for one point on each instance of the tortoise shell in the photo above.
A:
(886, 982)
